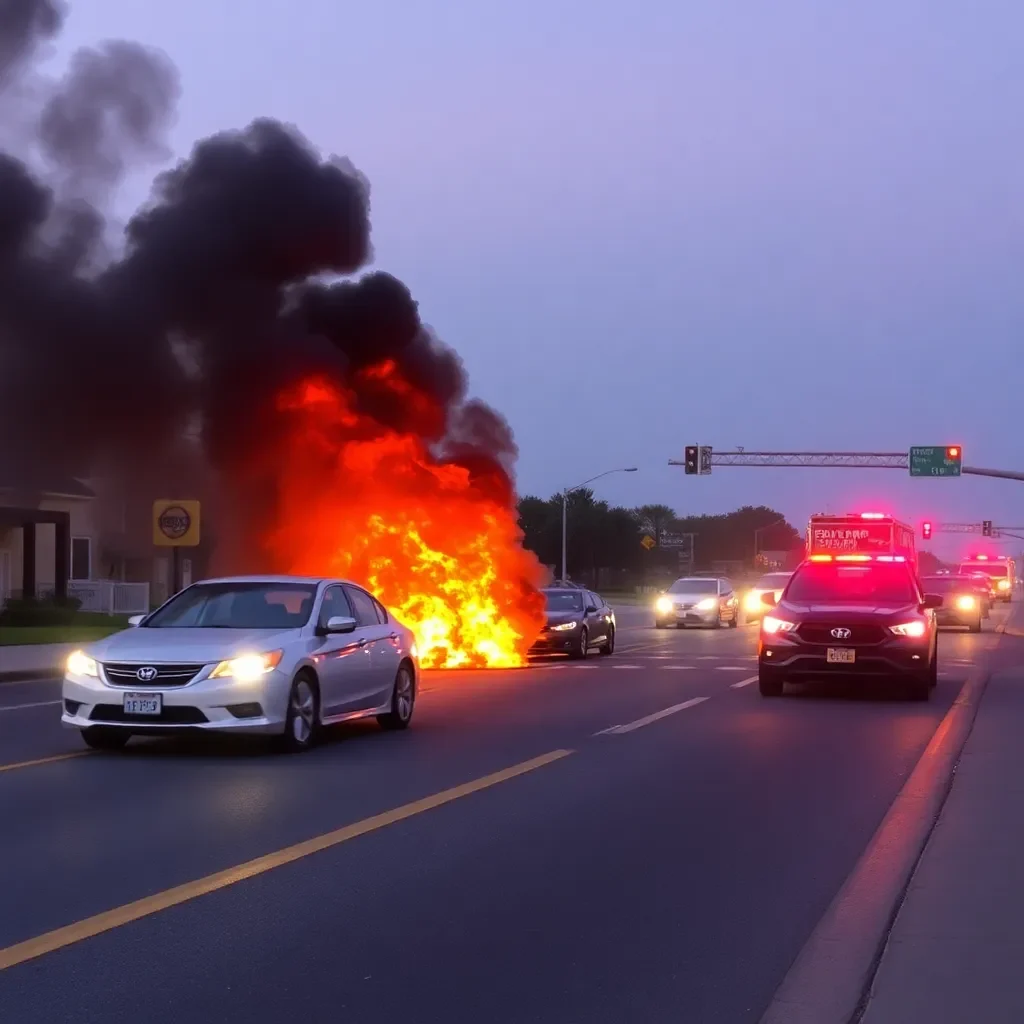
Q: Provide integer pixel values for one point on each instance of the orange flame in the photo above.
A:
(441, 550)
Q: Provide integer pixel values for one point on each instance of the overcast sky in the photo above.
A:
(785, 225)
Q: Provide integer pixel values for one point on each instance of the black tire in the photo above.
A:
(403, 700)
(660, 625)
(608, 647)
(735, 620)
(975, 627)
(582, 648)
(302, 720)
(769, 683)
(100, 737)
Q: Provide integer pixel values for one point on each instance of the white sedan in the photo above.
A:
(283, 655)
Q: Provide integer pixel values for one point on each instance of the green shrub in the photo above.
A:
(28, 611)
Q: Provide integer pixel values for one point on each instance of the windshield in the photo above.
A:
(699, 586)
(563, 600)
(993, 569)
(773, 581)
(856, 583)
(948, 584)
(237, 606)
(694, 587)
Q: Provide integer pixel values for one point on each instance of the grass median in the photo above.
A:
(85, 627)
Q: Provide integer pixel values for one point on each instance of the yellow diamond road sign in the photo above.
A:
(175, 523)
(648, 542)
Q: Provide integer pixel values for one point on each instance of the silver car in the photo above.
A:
(698, 601)
(250, 654)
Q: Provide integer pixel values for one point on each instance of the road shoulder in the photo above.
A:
(955, 950)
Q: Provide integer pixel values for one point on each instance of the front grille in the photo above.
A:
(123, 674)
(818, 633)
(170, 715)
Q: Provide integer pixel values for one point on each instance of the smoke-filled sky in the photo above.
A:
(794, 225)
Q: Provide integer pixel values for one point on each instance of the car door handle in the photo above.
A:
(363, 642)
(392, 636)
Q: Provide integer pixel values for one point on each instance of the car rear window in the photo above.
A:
(993, 569)
(884, 584)
(950, 584)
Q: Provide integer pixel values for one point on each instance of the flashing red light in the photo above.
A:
(981, 558)
(872, 515)
(926, 530)
(953, 451)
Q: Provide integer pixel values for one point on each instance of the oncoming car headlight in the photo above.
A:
(80, 664)
(1003, 584)
(663, 604)
(966, 603)
(247, 668)
(707, 604)
(753, 601)
(564, 626)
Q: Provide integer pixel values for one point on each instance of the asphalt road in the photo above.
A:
(645, 839)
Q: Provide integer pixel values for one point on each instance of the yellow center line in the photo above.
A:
(108, 920)
(44, 760)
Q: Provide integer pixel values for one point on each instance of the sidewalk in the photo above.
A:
(956, 952)
(33, 661)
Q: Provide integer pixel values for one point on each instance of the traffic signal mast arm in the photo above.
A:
(835, 460)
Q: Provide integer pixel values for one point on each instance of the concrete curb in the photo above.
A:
(831, 977)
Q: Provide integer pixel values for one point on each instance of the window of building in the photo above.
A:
(81, 558)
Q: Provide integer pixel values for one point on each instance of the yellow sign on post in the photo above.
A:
(176, 524)
(648, 542)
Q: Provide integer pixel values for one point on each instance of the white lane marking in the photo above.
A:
(743, 682)
(627, 666)
(709, 657)
(619, 730)
(22, 707)
(584, 666)
(677, 668)
(730, 668)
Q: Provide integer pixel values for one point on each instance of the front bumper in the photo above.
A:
(801, 660)
(948, 617)
(687, 617)
(556, 641)
(210, 705)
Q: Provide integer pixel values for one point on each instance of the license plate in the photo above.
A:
(840, 656)
(143, 703)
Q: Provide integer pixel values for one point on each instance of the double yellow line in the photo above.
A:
(51, 941)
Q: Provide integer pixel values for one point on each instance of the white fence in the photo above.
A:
(111, 596)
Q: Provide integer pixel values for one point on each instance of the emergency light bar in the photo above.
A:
(873, 515)
(857, 558)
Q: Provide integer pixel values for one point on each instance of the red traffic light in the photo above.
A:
(953, 452)
(926, 531)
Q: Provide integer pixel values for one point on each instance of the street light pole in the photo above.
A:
(565, 509)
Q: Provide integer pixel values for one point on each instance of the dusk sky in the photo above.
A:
(786, 225)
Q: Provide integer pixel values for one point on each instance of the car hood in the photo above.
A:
(557, 618)
(684, 598)
(187, 645)
(852, 610)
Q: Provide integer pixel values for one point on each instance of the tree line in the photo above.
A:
(607, 546)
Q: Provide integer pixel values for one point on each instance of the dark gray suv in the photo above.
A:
(578, 620)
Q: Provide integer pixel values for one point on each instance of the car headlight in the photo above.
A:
(753, 601)
(563, 627)
(663, 604)
(247, 668)
(707, 604)
(770, 624)
(913, 629)
(1003, 584)
(966, 603)
(80, 664)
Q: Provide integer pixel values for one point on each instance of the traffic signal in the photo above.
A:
(926, 531)
(955, 454)
(691, 460)
(986, 528)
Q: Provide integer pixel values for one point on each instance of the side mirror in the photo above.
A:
(591, 609)
(931, 601)
(340, 624)
(135, 620)
(768, 599)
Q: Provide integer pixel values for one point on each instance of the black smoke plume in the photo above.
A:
(223, 290)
